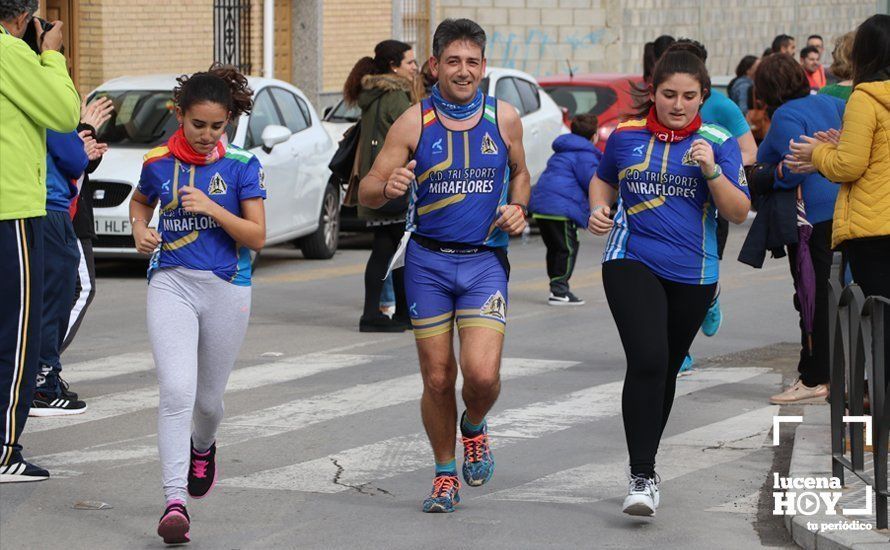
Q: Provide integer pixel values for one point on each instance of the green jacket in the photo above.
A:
(36, 93)
(391, 94)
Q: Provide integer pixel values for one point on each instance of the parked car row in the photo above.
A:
(294, 145)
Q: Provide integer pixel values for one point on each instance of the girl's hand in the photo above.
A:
(600, 223)
(194, 201)
(703, 154)
(797, 167)
(147, 238)
(96, 113)
(831, 136)
(803, 150)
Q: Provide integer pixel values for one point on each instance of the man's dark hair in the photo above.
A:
(585, 125)
(808, 50)
(812, 36)
(692, 46)
(452, 30)
(780, 42)
(871, 50)
(10, 9)
(779, 79)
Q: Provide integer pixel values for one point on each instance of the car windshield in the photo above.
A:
(344, 113)
(141, 118)
(583, 99)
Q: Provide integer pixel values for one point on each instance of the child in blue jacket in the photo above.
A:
(559, 203)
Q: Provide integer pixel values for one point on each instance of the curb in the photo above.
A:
(811, 457)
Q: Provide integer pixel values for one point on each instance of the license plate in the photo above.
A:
(112, 226)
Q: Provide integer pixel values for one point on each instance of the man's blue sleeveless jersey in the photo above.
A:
(197, 241)
(666, 217)
(462, 180)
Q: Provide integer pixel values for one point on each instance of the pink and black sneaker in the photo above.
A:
(174, 524)
(202, 472)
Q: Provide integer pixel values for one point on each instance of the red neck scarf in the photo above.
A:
(183, 151)
(663, 133)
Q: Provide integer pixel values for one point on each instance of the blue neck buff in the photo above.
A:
(455, 111)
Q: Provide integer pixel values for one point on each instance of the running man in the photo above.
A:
(468, 196)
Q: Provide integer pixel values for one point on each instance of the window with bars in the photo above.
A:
(231, 33)
(416, 26)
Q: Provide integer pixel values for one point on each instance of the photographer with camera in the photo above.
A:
(36, 94)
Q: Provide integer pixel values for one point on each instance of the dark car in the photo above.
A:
(606, 95)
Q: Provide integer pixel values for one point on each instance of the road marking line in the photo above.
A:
(107, 367)
(385, 459)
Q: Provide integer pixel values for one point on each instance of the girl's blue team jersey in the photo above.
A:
(665, 216)
(195, 241)
(462, 180)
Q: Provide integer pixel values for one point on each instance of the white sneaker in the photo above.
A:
(642, 496)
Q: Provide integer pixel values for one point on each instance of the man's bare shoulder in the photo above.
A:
(509, 121)
(407, 127)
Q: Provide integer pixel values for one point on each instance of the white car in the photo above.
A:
(283, 131)
(542, 122)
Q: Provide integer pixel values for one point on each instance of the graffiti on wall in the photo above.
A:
(528, 53)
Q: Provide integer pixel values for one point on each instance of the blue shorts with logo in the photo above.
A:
(441, 288)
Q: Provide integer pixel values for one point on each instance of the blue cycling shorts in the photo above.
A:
(441, 288)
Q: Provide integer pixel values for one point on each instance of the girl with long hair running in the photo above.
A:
(211, 196)
(668, 173)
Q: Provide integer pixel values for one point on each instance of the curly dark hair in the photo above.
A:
(779, 79)
(221, 84)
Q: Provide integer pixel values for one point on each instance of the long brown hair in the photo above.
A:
(387, 55)
(221, 84)
(671, 63)
(871, 50)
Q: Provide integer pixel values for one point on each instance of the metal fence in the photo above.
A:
(231, 33)
(856, 325)
(415, 15)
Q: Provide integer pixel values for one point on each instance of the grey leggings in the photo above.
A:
(196, 323)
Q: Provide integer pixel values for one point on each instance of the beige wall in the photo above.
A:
(351, 29)
(539, 36)
(132, 37)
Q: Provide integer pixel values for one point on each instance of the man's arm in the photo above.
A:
(39, 86)
(389, 177)
(512, 219)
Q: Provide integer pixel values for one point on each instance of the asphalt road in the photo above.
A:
(322, 446)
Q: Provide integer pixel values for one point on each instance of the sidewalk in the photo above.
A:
(811, 458)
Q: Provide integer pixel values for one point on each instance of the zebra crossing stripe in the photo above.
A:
(108, 367)
(395, 456)
(292, 416)
(245, 378)
(698, 449)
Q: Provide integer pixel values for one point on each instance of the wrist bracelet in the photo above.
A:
(384, 190)
(717, 173)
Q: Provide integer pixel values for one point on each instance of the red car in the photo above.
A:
(607, 95)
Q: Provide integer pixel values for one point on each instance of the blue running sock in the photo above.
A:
(468, 428)
(447, 468)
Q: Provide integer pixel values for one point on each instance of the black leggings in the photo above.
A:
(657, 320)
(870, 264)
(386, 241)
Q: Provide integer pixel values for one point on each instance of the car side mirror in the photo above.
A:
(274, 134)
(327, 111)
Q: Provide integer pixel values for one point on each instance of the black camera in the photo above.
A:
(32, 39)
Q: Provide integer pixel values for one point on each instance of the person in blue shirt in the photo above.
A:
(211, 197)
(559, 203)
(66, 161)
(783, 86)
(459, 153)
(669, 173)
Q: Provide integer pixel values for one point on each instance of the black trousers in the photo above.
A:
(561, 239)
(657, 320)
(870, 264)
(814, 365)
(21, 313)
(722, 235)
(84, 292)
(386, 241)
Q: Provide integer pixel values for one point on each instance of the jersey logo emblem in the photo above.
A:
(687, 159)
(495, 307)
(262, 180)
(217, 185)
(437, 146)
(166, 186)
(638, 150)
(743, 179)
(489, 147)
